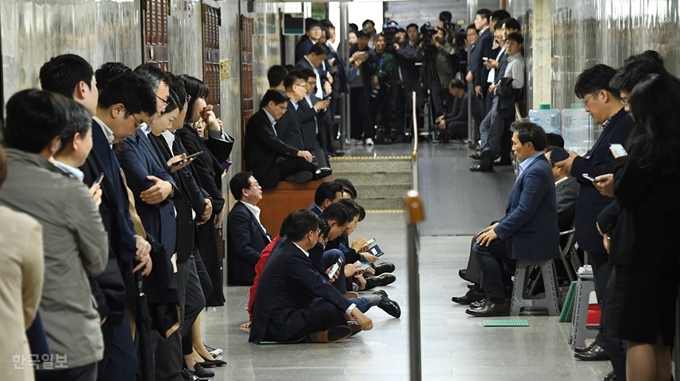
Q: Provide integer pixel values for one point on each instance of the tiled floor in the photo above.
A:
(455, 346)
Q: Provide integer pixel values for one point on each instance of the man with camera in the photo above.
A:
(406, 77)
(434, 51)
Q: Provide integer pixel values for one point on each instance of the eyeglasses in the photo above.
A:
(300, 84)
(585, 100)
(137, 121)
(624, 101)
(283, 108)
(313, 83)
(165, 101)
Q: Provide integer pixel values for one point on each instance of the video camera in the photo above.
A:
(389, 30)
(427, 32)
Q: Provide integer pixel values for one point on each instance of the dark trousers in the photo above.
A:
(329, 258)
(492, 260)
(208, 264)
(603, 271)
(194, 303)
(473, 271)
(169, 353)
(270, 177)
(320, 315)
(81, 373)
(401, 105)
(121, 358)
(360, 108)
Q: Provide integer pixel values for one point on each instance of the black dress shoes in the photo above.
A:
(489, 308)
(462, 273)
(476, 155)
(201, 373)
(612, 377)
(300, 177)
(188, 375)
(595, 353)
(384, 267)
(585, 349)
(321, 173)
(481, 168)
(382, 280)
(470, 297)
(478, 304)
(388, 305)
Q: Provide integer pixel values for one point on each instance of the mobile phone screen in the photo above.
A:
(588, 177)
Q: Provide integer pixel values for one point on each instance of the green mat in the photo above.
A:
(506, 323)
(568, 307)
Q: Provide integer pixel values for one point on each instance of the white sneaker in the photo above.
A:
(369, 142)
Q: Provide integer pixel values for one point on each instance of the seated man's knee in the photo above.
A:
(331, 256)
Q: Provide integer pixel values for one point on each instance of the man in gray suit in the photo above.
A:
(74, 240)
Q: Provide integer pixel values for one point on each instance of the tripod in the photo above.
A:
(429, 80)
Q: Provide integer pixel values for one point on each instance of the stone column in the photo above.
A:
(542, 53)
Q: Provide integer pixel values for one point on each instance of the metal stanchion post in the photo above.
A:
(344, 53)
(414, 208)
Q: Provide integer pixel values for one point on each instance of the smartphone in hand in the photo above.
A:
(620, 151)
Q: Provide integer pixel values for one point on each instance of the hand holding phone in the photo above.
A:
(99, 179)
(335, 268)
(617, 150)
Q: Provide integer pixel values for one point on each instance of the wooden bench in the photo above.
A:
(277, 204)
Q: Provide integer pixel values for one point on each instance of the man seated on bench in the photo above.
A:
(293, 300)
(246, 236)
(327, 193)
(270, 159)
(528, 230)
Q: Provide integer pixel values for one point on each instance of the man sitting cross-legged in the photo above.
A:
(293, 300)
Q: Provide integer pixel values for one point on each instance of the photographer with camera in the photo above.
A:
(406, 77)
(437, 72)
(363, 63)
(381, 95)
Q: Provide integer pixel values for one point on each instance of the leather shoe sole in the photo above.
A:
(481, 168)
(388, 305)
(331, 335)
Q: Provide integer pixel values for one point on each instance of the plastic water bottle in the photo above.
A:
(577, 129)
(547, 118)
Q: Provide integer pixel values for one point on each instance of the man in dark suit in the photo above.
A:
(529, 228)
(293, 300)
(455, 120)
(604, 105)
(311, 37)
(310, 114)
(313, 61)
(483, 45)
(267, 156)
(246, 236)
(122, 106)
(405, 77)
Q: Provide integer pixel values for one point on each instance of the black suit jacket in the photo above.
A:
(139, 159)
(406, 65)
(307, 116)
(262, 145)
(245, 242)
(484, 45)
(108, 287)
(648, 206)
(303, 48)
(286, 289)
(565, 195)
(598, 161)
(207, 167)
(289, 129)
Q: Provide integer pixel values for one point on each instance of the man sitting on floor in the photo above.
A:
(529, 228)
(326, 194)
(293, 300)
(246, 234)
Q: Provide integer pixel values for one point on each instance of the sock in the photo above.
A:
(374, 299)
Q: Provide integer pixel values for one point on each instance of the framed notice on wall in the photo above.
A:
(293, 24)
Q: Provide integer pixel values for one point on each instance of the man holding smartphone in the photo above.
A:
(605, 106)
